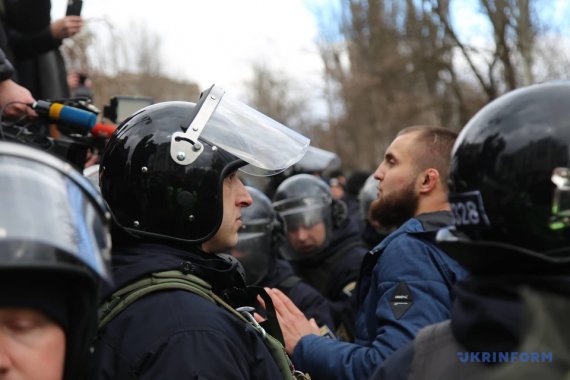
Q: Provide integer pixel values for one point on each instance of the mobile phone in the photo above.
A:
(74, 7)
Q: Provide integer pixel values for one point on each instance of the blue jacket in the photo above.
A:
(405, 284)
(175, 334)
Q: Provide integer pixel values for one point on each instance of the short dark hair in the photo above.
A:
(433, 149)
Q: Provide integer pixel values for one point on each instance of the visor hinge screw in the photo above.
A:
(180, 156)
(214, 148)
(196, 147)
(191, 218)
(144, 169)
(136, 224)
(213, 97)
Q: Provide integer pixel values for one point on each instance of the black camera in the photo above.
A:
(122, 107)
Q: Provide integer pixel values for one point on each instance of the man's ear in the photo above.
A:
(429, 180)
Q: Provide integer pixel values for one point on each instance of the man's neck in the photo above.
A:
(433, 202)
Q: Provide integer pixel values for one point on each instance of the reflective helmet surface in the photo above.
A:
(304, 200)
(54, 226)
(162, 170)
(256, 237)
(150, 194)
(510, 171)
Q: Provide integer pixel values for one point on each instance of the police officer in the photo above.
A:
(169, 176)
(322, 244)
(259, 238)
(54, 256)
(509, 189)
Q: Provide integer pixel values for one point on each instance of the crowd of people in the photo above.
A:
(450, 260)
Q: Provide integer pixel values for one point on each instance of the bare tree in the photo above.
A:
(124, 65)
(278, 96)
(390, 64)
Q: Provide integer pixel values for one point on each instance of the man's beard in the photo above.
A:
(394, 210)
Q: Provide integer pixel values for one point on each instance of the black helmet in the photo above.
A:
(305, 200)
(510, 181)
(163, 168)
(259, 232)
(53, 229)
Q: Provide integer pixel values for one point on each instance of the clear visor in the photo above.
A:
(303, 217)
(316, 160)
(267, 146)
(311, 220)
(41, 205)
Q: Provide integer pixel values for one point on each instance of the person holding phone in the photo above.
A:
(35, 40)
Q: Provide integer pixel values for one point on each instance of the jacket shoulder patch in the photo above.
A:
(401, 300)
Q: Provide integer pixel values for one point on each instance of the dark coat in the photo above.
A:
(36, 57)
(175, 334)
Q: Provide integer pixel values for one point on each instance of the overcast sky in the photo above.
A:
(216, 41)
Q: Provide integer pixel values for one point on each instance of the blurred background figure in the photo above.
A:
(259, 239)
(354, 183)
(80, 85)
(322, 243)
(372, 232)
(337, 182)
(35, 40)
(337, 189)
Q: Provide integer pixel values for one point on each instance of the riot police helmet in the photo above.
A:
(162, 170)
(54, 246)
(305, 203)
(510, 183)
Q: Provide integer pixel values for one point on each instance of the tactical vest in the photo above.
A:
(174, 279)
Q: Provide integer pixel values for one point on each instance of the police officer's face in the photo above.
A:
(235, 197)
(32, 347)
(306, 239)
(398, 194)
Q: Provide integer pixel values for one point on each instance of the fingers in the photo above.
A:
(66, 27)
(261, 301)
(258, 318)
(314, 323)
(284, 302)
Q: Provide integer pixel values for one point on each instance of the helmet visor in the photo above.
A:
(42, 206)
(316, 160)
(266, 145)
(303, 212)
(253, 250)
